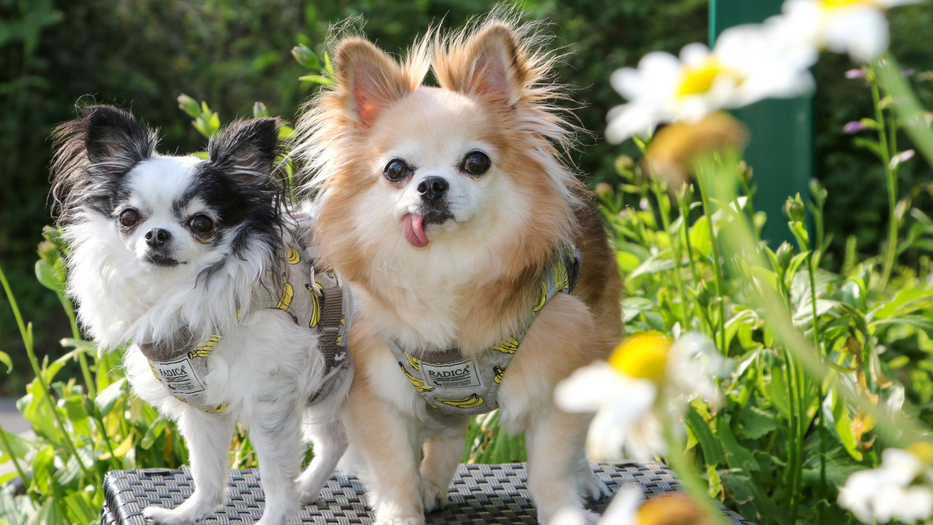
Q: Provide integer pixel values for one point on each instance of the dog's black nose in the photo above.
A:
(157, 237)
(433, 188)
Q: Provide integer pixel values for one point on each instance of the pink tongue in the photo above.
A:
(414, 230)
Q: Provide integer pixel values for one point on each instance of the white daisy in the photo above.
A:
(897, 489)
(624, 392)
(746, 65)
(857, 27)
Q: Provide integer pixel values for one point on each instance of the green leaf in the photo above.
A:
(79, 508)
(712, 450)
(43, 466)
(653, 264)
(700, 237)
(21, 446)
(757, 423)
(317, 79)
(5, 359)
(108, 397)
(153, 433)
(737, 456)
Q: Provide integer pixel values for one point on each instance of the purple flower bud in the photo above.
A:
(853, 127)
(856, 73)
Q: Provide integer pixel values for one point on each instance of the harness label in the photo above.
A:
(461, 374)
(179, 376)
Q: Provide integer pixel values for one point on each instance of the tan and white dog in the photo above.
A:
(450, 210)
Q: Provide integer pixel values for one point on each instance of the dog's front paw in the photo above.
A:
(433, 497)
(589, 486)
(179, 516)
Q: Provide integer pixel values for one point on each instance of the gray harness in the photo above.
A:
(181, 364)
(451, 384)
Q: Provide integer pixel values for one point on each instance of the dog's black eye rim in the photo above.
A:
(475, 163)
(201, 224)
(396, 170)
(129, 218)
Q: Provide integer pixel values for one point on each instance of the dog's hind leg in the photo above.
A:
(330, 442)
(208, 437)
(441, 456)
(554, 441)
(276, 437)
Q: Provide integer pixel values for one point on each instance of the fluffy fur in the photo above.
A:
(144, 266)
(457, 262)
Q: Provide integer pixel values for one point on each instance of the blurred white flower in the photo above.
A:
(857, 27)
(622, 510)
(624, 392)
(897, 489)
(747, 64)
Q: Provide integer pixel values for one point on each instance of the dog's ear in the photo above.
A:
(490, 64)
(114, 140)
(246, 149)
(368, 80)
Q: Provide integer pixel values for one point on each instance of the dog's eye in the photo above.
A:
(396, 170)
(201, 224)
(476, 163)
(129, 218)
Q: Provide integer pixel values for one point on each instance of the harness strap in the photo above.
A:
(331, 342)
(454, 385)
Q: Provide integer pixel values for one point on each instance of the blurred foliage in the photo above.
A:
(141, 54)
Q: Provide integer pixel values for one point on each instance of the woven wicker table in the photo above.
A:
(480, 494)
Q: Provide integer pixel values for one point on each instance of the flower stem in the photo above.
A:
(686, 472)
(664, 207)
(890, 175)
(703, 173)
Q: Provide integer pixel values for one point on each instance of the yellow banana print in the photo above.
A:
(419, 383)
(217, 409)
(468, 402)
(507, 346)
(499, 373)
(561, 278)
(542, 299)
(153, 370)
(293, 256)
(315, 310)
(413, 362)
(204, 350)
(432, 405)
(287, 293)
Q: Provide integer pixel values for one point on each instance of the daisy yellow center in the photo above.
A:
(829, 4)
(643, 356)
(923, 450)
(698, 79)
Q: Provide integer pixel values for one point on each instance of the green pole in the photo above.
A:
(781, 148)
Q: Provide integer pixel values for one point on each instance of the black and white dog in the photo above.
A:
(201, 266)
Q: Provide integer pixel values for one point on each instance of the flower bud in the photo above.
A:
(603, 190)
(306, 57)
(48, 252)
(795, 209)
(785, 253)
(189, 105)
